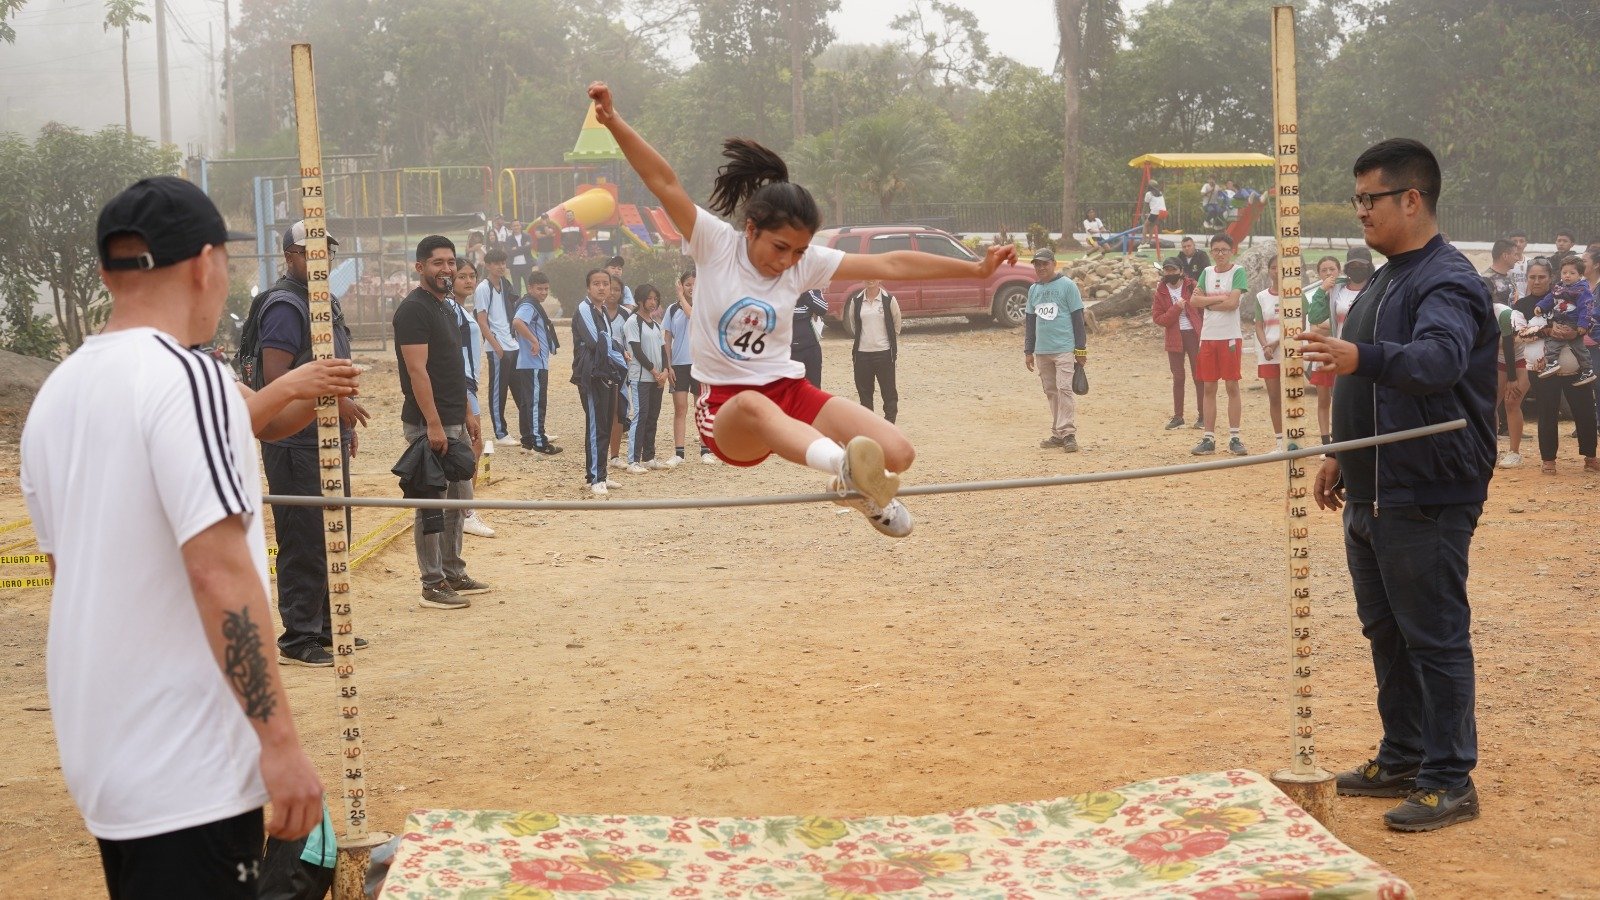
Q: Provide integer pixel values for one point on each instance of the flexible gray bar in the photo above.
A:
(957, 487)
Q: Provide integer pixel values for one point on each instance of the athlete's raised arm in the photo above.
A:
(651, 166)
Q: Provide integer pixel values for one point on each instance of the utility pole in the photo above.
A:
(227, 72)
(161, 71)
(211, 91)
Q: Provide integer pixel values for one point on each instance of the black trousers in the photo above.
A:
(217, 861)
(877, 366)
(1547, 393)
(599, 413)
(531, 388)
(809, 355)
(646, 397)
(302, 558)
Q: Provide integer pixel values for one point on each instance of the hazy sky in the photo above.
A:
(66, 67)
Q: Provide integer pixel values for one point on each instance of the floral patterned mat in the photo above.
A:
(1209, 836)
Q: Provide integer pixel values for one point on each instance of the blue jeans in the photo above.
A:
(1408, 565)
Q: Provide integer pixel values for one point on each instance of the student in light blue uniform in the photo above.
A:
(536, 343)
(646, 378)
(679, 363)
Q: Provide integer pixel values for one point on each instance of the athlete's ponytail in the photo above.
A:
(758, 180)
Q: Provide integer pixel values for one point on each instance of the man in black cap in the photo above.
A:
(292, 466)
(138, 466)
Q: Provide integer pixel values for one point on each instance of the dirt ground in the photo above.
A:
(1020, 645)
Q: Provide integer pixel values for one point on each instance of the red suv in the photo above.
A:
(1003, 295)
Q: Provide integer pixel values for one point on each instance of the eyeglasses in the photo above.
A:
(1363, 202)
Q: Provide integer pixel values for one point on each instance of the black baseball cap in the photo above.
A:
(175, 218)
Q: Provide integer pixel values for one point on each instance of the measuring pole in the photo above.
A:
(1303, 781)
(356, 843)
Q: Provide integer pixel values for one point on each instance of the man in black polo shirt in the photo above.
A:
(1417, 349)
(427, 347)
(1192, 260)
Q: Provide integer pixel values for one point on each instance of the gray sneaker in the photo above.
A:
(1070, 444)
(1050, 443)
(466, 584)
(1206, 447)
(442, 597)
(1236, 447)
(1429, 809)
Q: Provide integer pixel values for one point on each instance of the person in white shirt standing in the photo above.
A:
(1219, 293)
(1269, 337)
(874, 314)
(494, 299)
(171, 722)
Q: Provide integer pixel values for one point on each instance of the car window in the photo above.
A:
(940, 245)
(888, 243)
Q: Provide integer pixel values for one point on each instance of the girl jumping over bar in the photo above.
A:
(754, 400)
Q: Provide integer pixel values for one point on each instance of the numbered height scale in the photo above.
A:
(1304, 781)
(355, 843)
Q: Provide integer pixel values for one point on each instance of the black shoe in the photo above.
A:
(442, 597)
(1175, 422)
(466, 584)
(1069, 444)
(361, 643)
(1429, 809)
(309, 655)
(1372, 780)
(1050, 443)
(547, 449)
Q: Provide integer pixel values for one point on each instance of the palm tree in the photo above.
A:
(888, 154)
(120, 14)
(1088, 31)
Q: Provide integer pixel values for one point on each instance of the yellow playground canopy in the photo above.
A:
(1200, 160)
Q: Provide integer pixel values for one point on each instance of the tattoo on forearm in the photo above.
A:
(245, 666)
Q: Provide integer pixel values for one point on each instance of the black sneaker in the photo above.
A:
(442, 597)
(466, 584)
(1429, 809)
(1070, 444)
(1372, 780)
(547, 449)
(309, 655)
(1175, 422)
(1584, 377)
(1050, 443)
(361, 643)
(1206, 447)
(1198, 423)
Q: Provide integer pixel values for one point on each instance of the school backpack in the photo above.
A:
(247, 361)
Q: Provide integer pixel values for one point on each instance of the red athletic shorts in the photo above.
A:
(1269, 370)
(1322, 378)
(798, 399)
(1219, 360)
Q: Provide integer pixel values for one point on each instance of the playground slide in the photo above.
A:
(633, 227)
(664, 227)
(1239, 228)
(595, 206)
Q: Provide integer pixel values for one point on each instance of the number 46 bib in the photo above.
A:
(744, 329)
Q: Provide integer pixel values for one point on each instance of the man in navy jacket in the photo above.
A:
(1418, 349)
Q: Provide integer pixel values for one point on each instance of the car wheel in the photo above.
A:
(1011, 305)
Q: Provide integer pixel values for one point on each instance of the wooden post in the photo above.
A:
(355, 844)
(1304, 782)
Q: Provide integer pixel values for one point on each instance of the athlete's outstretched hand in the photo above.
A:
(600, 93)
(997, 254)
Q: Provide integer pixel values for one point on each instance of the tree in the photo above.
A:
(946, 41)
(1010, 145)
(889, 154)
(55, 187)
(1087, 33)
(806, 31)
(120, 14)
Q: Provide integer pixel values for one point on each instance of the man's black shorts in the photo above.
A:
(682, 381)
(217, 861)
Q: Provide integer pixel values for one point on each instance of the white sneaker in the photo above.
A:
(474, 524)
(508, 441)
(672, 462)
(863, 472)
(636, 469)
(613, 484)
(599, 490)
(655, 464)
(616, 463)
(710, 459)
(1510, 460)
(893, 520)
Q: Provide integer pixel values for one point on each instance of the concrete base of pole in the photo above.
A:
(350, 876)
(1315, 792)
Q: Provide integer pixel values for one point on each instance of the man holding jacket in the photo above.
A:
(1417, 348)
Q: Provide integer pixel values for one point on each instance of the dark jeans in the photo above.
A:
(215, 861)
(1175, 359)
(877, 366)
(599, 412)
(1547, 393)
(646, 399)
(1408, 565)
(531, 389)
(302, 556)
(810, 356)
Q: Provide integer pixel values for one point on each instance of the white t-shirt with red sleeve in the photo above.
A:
(134, 445)
(743, 319)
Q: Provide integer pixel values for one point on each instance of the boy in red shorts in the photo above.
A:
(1221, 287)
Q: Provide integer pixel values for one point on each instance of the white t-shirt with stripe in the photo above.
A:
(743, 320)
(133, 446)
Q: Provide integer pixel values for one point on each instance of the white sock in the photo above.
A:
(1233, 432)
(825, 456)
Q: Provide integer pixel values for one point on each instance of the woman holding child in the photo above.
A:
(1548, 390)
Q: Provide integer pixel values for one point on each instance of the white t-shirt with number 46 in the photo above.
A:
(743, 319)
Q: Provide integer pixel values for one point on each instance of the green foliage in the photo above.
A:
(55, 187)
(1329, 220)
(1039, 237)
(1010, 144)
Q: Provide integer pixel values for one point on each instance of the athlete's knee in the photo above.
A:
(898, 454)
